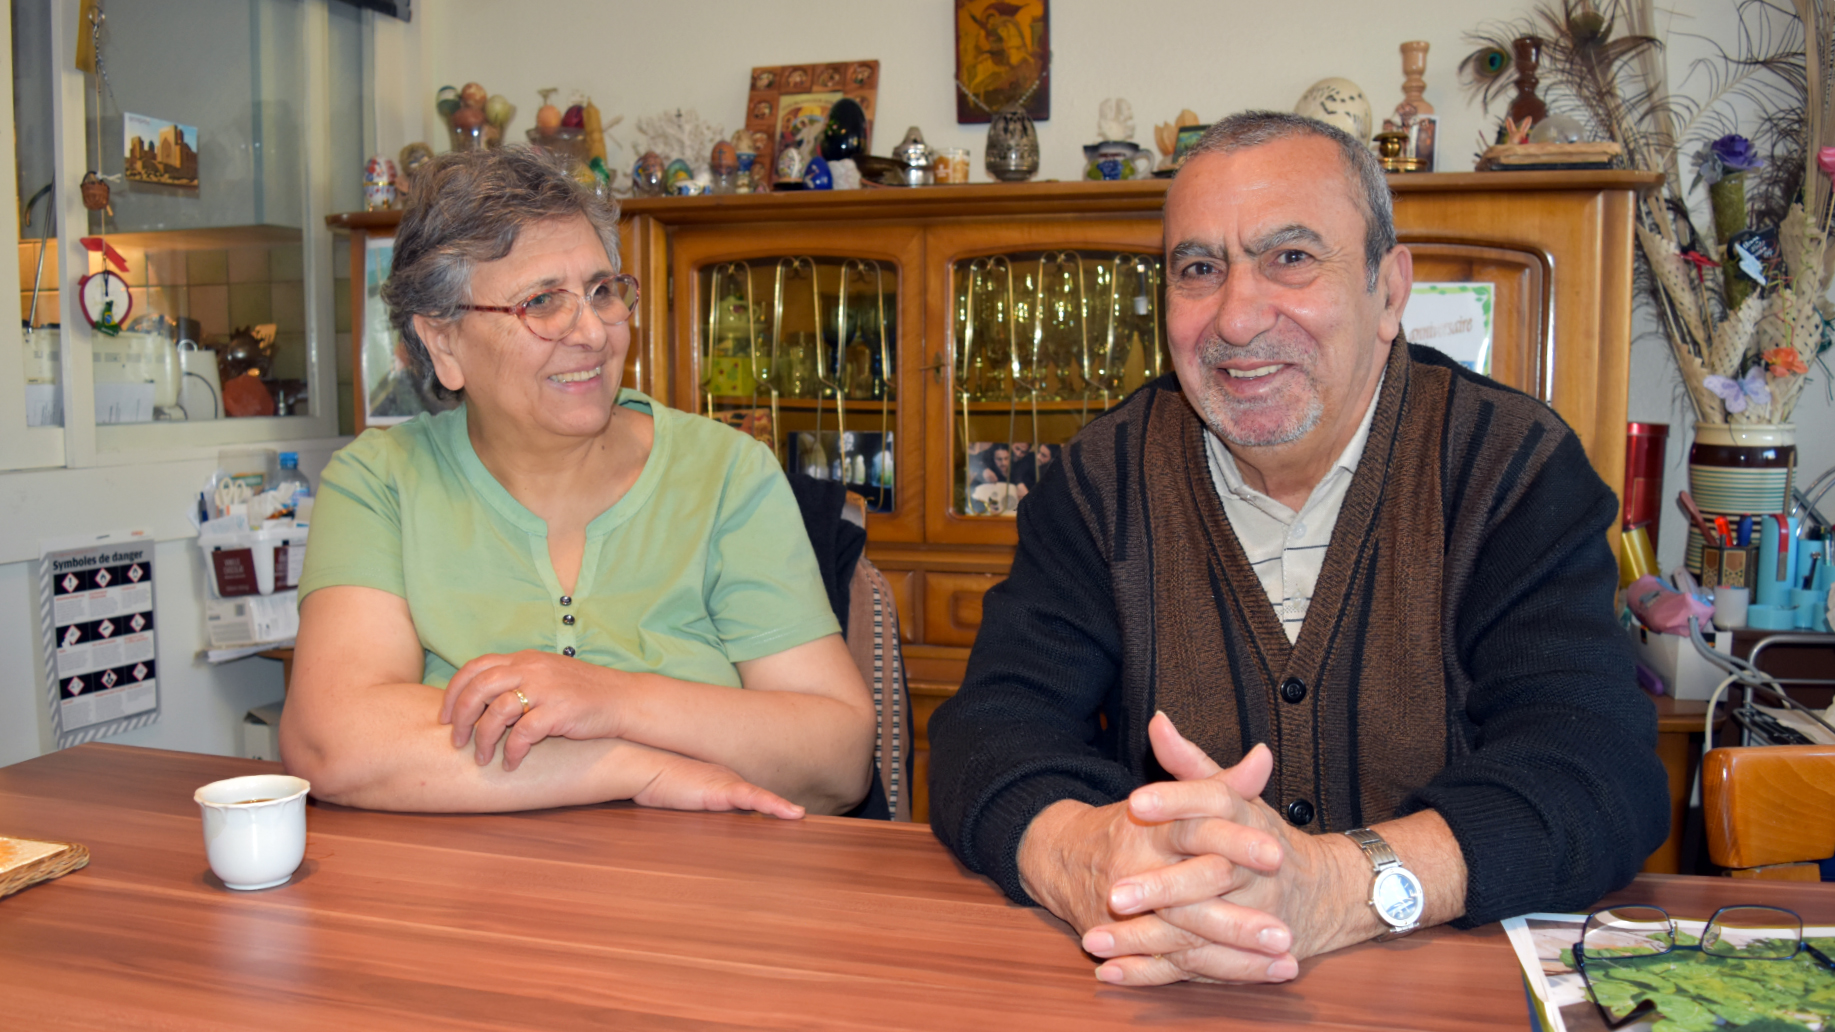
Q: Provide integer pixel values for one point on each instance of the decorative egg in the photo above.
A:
(846, 133)
(498, 110)
(790, 165)
(548, 119)
(472, 95)
(575, 118)
(816, 175)
(1338, 102)
(677, 171)
(379, 189)
(725, 159)
(468, 118)
(447, 101)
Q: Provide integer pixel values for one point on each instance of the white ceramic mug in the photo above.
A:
(254, 828)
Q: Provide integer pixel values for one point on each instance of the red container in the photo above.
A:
(1645, 447)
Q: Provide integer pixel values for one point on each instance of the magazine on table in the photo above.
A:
(1692, 991)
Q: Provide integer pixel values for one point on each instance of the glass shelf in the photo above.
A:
(1043, 342)
(795, 352)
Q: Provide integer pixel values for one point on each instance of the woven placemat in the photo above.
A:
(26, 862)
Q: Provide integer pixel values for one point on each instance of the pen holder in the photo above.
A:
(1732, 566)
(1776, 574)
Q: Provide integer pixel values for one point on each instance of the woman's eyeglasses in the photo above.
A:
(1633, 933)
(552, 312)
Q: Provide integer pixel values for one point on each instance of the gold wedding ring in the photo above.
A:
(524, 699)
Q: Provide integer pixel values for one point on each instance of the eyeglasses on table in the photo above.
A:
(1638, 932)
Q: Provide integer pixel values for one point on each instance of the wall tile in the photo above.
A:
(209, 305)
(248, 264)
(166, 268)
(289, 356)
(206, 267)
(250, 304)
(340, 257)
(289, 305)
(345, 359)
(47, 306)
(286, 262)
(28, 264)
(340, 303)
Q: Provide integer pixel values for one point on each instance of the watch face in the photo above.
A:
(1397, 897)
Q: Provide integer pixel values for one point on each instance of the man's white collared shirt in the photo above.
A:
(1286, 548)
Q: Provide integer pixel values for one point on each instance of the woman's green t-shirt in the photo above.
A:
(704, 563)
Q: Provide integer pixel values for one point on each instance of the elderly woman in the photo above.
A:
(558, 592)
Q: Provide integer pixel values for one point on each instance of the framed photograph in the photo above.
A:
(788, 104)
(1003, 54)
(1454, 319)
(1002, 473)
(1188, 137)
(391, 392)
(159, 152)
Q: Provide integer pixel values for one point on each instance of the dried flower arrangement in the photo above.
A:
(1745, 336)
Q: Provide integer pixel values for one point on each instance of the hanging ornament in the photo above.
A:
(104, 295)
(95, 193)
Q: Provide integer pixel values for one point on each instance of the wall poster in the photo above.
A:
(101, 660)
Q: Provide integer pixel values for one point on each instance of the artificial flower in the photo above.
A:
(1785, 362)
(1701, 262)
(1825, 160)
(1735, 153)
(1736, 392)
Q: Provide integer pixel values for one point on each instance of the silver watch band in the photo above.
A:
(1388, 867)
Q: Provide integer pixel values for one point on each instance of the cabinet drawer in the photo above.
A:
(904, 596)
(952, 606)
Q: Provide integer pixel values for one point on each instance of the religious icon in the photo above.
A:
(1003, 56)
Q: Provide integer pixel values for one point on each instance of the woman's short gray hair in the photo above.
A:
(1254, 128)
(468, 207)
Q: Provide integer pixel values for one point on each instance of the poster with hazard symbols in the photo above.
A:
(101, 664)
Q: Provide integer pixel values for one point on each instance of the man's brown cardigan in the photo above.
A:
(1459, 654)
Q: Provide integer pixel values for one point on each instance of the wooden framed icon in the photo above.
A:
(1003, 55)
(787, 105)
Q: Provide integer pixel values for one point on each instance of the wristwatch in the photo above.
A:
(1395, 892)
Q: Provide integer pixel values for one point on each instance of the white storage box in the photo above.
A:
(251, 619)
(1674, 658)
(254, 562)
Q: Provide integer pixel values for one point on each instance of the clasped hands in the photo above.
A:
(570, 698)
(1196, 878)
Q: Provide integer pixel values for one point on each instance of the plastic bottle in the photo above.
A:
(292, 486)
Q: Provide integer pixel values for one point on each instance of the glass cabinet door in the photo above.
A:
(802, 349)
(1041, 341)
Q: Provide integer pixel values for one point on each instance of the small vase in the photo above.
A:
(1013, 145)
(1739, 470)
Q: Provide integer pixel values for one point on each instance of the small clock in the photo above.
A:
(105, 299)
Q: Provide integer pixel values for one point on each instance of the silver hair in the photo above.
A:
(1254, 128)
(468, 207)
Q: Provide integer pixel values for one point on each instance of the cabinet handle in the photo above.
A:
(936, 365)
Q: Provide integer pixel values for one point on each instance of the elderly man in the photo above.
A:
(1313, 644)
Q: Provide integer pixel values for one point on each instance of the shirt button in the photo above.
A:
(567, 600)
(1293, 690)
(567, 619)
(1300, 812)
(1297, 531)
(568, 651)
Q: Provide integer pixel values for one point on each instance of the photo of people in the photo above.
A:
(1001, 474)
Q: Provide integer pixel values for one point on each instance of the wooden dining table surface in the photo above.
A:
(618, 916)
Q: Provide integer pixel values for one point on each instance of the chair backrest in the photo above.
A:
(872, 638)
(1770, 810)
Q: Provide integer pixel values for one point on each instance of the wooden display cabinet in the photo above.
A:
(1556, 245)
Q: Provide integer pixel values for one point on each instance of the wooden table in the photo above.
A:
(621, 917)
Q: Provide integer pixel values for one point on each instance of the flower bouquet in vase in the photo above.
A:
(1738, 284)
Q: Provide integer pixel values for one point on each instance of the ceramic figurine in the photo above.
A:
(816, 175)
(1013, 145)
(647, 175)
(918, 159)
(744, 150)
(1338, 102)
(1115, 155)
(845, 134)
(379, 178)
(1116, 159)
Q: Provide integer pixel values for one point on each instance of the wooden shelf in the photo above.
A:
(798, 404)
(1094, 405)
(207, 238)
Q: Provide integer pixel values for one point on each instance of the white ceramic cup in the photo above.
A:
(1730, 605)
(254, 828)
